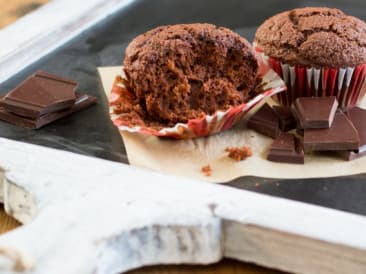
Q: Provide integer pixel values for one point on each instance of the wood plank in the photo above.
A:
(150, 218)
(225, 266)
(7, 223)
(11, 10)
(31, 38)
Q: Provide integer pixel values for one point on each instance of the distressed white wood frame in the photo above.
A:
(49, 27)
(87, 215)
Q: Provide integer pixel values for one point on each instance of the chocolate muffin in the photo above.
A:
(320, 37)
(318, 52)
(179, 72)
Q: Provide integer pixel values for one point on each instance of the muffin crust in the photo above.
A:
(320, 37)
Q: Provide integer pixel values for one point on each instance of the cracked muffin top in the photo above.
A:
(179, 72)
(320, 37)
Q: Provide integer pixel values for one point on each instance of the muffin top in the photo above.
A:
(179, 72)
(320, 37)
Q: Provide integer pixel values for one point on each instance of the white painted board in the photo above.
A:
(106, 217)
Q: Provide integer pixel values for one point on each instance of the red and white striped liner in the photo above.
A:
(347, 84)
(207, 124)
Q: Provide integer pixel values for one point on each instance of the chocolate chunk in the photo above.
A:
(265, 121)
(286, 118)
(300, 132)
(350, 155)
(341, 136)
(358, 118)
(82, 101)
(286, 148)
(39, 94)
(315, 112)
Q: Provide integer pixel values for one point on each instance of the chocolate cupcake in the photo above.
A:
(318, 52)
(180, 72)
(187, 80)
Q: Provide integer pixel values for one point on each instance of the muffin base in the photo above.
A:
(204, 125)
(347, 84)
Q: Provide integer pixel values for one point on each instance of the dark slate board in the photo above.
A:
(91, 133)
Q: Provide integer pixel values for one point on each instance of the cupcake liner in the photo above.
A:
(204, 125)
(347, 84)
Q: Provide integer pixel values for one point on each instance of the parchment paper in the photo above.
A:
(186, 157)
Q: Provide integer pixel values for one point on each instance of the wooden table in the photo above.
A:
(10, 11)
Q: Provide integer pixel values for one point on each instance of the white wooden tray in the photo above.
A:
(86, 215)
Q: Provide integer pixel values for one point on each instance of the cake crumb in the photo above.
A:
(239, 153)
(206, 170)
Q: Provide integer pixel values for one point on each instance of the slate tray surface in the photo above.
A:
(91, 133)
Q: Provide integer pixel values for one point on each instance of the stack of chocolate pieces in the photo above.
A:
(320, 125)
(324, 128)
(275, 122)
(41, 99)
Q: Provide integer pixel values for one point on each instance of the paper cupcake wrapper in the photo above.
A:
(347, 84)
(206, 124)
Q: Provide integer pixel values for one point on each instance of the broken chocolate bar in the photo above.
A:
(40, 94)
(342, 135)
(315, 112)
(286, 118)
(82, 101)
(265, 121)
(286, 148)
(358, 118)
(350, 155)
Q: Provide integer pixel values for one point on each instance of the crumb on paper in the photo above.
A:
(207, 170)
(239, 153)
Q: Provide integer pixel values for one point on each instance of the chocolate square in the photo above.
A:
(341, 136)
(82, 101)
(315, 112)
(358, 118)
(265, 121)
(286, 117)
(286, 148)
(40, 94)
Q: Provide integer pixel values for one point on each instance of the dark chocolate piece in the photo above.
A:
(358, 118)
(286, 118)
(341, 136)
(300, 132)
(82, 101)
(286, 149)
(350, 155)
(40, 94)
(315, 112)
(265, 121)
